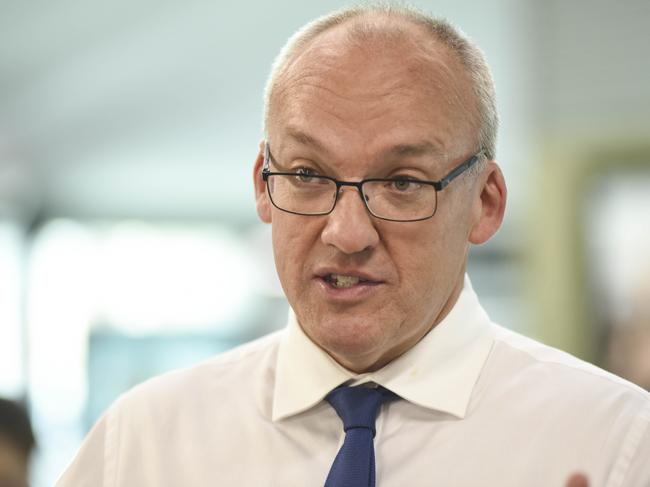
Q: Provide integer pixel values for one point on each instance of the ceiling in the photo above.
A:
(137, 108)
(143, 109)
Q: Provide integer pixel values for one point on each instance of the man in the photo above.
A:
(16, 444)
(376, 173)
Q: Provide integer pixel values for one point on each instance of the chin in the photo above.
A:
(350, 340)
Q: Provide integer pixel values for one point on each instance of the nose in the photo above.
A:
(350, 228)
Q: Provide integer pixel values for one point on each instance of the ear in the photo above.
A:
(262, 202)
(490, 204)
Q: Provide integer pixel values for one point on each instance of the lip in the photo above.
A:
(365, 289)
(371, 279)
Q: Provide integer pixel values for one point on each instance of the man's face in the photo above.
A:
(357, 113)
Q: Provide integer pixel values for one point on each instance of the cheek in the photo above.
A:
(413, 256)
(293, 239)
(425, 260)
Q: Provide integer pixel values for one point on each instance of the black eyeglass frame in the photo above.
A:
(437, 185)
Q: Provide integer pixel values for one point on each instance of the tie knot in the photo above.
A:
(358, 406)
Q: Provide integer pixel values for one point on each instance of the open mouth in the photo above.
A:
(340, 281)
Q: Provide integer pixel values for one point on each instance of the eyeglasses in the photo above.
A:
(401, 199)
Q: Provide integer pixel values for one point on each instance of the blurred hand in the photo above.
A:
(577, 480)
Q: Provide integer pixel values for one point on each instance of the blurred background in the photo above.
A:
(129, 244)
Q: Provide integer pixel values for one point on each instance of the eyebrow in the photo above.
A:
(424, 148)
(304, 138)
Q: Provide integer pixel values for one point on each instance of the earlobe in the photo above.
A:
(491, 204)
(262, 203)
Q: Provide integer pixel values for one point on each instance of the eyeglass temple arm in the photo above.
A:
(457, 171)
(267, 158)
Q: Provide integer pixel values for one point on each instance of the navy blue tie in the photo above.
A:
(354, 465)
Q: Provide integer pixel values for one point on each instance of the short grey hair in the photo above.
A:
(469, 55)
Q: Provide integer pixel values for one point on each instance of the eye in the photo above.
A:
(305, 174)
(402, 185)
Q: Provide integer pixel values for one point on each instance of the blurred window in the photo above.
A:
(12, 380)
(618, 270)
(111, 304)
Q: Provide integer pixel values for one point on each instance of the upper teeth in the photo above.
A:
(339, 280)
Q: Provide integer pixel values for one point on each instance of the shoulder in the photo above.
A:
(242, 370)
(188, 410)
(559, 400)
(547, 369)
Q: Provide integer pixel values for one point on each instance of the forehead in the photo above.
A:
(374, 89)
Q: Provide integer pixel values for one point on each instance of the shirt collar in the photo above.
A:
(439, 372)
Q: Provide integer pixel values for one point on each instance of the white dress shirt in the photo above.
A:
(480, 406)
